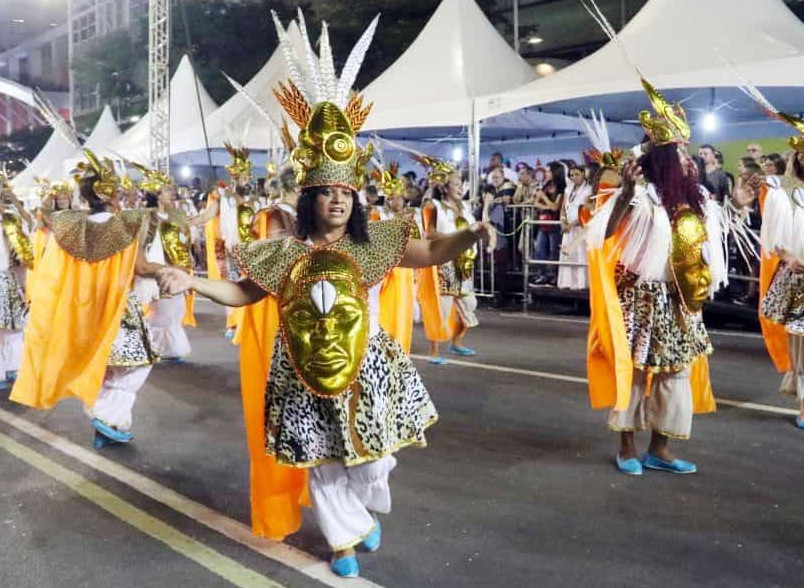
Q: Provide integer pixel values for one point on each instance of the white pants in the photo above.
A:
(10, 351)
(344, 498)
(793, 381)
(167, 331)
(118, 394)
(668, 409)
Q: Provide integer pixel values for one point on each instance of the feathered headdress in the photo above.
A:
(386, 175)
(107, 182)
(318, 101)
(153, 180)
(598, 134)
(241, 166)
(669, 125)
(438, 171)
(46, 188)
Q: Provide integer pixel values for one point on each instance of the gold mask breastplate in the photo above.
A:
(324, 320)
(690, 259)
(176, 244)
(465, 264)
(245, 223)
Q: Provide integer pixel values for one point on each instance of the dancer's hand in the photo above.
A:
(796, 265)
(173, 281)
(486, 232)
(632, 171)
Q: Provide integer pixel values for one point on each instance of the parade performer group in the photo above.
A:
(342, 394)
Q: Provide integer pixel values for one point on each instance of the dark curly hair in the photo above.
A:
(356, 227)
(662, 167)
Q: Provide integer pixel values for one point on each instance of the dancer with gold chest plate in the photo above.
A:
(647, 309)
(342, 396)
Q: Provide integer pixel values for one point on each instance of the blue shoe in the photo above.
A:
(229, 334)
(631, 466)
(11, 376)
(346, 567)
(677, 466)
(373, 539)
(800, 422)
(111, 433)
(436, 360)
(461, 350)
(179, 360)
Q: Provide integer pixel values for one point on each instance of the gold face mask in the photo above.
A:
(465, 264)
(690, 259)
(176, 245)
(323, 309)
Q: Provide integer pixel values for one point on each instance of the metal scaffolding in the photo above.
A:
(159, 83)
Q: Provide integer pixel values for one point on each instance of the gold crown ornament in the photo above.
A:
(48, 189)
(318, 101)
(126, 183)
(438, 171)
(388, 181)
(241, 167)
(153, 180)
(107, 181)
(670, 123)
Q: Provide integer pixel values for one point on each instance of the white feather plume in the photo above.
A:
(291, 61)
(254, 102)
(597, 132)
(594, 10)
(54, 119)
(329, 81)
(313, 79)
(353, 63)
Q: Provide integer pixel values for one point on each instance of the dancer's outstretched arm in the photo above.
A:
(173, 281)
(444, 248)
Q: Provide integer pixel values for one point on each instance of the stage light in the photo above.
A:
(534, 40)
(457, 154)
(186, 172)
(710, 121)
(545, 69)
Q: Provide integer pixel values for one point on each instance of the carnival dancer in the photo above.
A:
(16, 257)
(100, 350)
(229, 218)
(573, 249)
(170, 243)
(782, 268)
(444, 214)
(342, 395)
(667, 259)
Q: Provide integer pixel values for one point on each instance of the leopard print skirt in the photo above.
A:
(132, 346)
(662, 337)
(784, 302)
(13, 308)
(387, 408)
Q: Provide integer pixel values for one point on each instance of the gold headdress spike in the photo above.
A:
(388, 180)
(3, 176)
(797, 143)
(45, 188)
(670, 123)
(598, 134)
(126, 183)
(153, 180)
(438, 171)
(318, 101)
(107, 183)
(241, 166)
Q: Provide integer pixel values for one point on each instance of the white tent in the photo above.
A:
(185, 118)
(105, 132)
(237, 120)
(458, 56)
(677, 44)
(48, 164)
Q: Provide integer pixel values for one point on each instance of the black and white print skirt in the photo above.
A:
(13, 309)
(386, 409)
(132, 346)
(784, 301)
(663, 338)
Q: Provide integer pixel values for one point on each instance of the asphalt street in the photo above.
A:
(517, 487)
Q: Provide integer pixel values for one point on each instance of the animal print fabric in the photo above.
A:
(386, 409)
(13, 309)
(662, 337)
(132, 346)
(784, 301)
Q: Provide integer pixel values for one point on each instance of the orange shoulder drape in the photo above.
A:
(396, 306)
(76, 309)
(436, 326)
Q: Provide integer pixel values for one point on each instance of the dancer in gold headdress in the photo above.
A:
(648, 343)
(170, 243)
(444, 214)
(16, 257)
(100, 350)
(342, 395)
(782, 271)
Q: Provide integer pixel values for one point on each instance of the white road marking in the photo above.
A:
(291, 557)
(582, 321)
(577, 380)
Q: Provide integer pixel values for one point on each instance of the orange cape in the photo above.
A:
(436, 326)
(76, 309)
(609, 363)
(774, 334)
